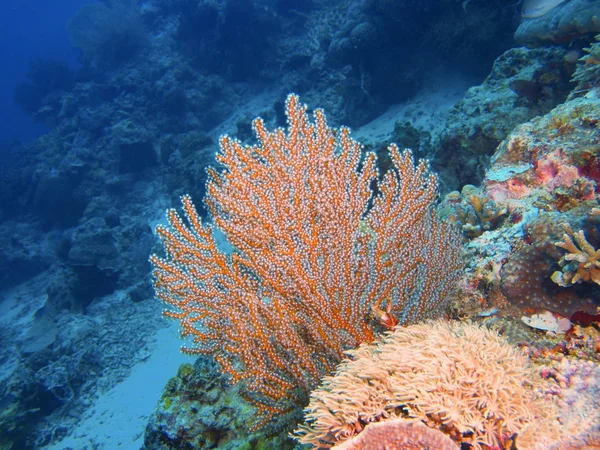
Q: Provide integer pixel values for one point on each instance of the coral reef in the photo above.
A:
(550, 162)
(546, 173)
(472, 211)
(199, 410)
(455, 377)
(524, 83)
(138, 124)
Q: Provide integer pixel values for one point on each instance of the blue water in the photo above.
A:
(30, 29)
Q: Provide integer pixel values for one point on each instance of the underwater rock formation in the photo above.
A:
(564, 23)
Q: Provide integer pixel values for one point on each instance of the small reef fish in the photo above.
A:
(548, 322)
(537, 8)
(488, 313)
(531, 90)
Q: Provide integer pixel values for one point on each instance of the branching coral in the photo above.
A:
(580, 263)
(472, 211)
(525, 276)
(314, 257)
(587, 75)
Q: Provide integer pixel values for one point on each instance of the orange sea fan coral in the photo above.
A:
(315, 254)
(459, 378)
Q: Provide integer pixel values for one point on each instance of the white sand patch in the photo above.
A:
(117, 420)
(427, 111)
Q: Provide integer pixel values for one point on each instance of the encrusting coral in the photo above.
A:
(525, 277)
(551, 162)
(459, 378)
(398, 434)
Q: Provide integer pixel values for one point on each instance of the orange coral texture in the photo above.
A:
(459, 378)
(311, 258)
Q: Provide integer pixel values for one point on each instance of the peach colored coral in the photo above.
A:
(398, 434)
(507, 192)
(459, 378)
(554, 170)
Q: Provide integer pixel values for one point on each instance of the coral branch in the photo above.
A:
(580, 263)
(311, 260)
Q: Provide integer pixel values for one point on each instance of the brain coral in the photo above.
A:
(398, 434)
(458, 378)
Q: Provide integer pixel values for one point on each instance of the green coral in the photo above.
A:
(472, 211)
(198, 409)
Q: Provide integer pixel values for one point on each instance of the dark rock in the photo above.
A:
(567, 22)
(136, 156)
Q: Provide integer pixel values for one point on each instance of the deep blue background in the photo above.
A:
(30, 29)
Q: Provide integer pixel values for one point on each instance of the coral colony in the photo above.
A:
(323, 264)
(403, 255)
(316, 269)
